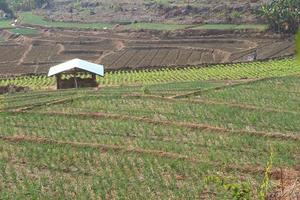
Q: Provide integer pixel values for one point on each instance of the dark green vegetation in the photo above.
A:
(5, 7)
(24, 31)
(18, 5)
(160, 141)
(282, 15)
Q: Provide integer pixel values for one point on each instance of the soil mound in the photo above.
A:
(12, 89)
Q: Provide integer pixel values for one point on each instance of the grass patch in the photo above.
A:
(260, 27)
(253, 70)
(24, 31)
(32, 19)
(156, 26)
(5, 24)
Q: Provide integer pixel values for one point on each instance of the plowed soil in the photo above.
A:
(136, 50)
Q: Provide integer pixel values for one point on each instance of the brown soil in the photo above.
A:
(12, 89)
(288, 181)
(136, 50)
(179, 11)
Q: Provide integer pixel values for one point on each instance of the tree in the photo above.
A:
(282, 15)
(4, 6)
(39, 3)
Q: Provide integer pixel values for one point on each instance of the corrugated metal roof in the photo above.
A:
(79, 64)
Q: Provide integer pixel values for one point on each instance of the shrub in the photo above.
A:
(282, 15)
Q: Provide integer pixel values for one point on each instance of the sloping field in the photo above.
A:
(238, 71)
(133, 50)
(179, 140)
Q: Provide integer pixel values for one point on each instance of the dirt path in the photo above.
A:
(61, 48)
(119, 45)
(25, 54)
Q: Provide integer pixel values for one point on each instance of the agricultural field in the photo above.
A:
(32, 19)
(134, 50)
(198, 101)
(180, 140)
(241, 71)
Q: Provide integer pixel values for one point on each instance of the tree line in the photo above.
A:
(11, 6)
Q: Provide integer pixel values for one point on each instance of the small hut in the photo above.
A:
(76, 73)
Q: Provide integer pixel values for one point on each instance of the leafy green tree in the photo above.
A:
(282, 15)
(4, 6)
(40, 3)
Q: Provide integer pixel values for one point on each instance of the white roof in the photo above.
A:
(79, 64)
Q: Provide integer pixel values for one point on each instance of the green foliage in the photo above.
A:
(156, 26)
(4, 6)
(266, 181)
(234, 189)
(146, 77)
(31, 18)
(146, 90)
(260, 27)
(47, 156)
(282, 15)
(40, 3)
(5, 23)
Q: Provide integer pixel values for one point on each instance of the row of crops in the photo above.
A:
(253, 70)
(50, 150)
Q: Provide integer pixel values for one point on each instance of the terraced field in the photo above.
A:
(238, 71)
(35, 54)
(175, 140)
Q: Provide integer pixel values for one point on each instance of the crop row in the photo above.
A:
(48, 151)
(147, 57)
(236, 71)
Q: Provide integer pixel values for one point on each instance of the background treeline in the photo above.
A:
(282, 15)
(22, 5)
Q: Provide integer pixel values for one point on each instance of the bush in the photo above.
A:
(4, 6)
(282, 15)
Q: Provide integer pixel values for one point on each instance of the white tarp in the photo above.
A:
(79, 64)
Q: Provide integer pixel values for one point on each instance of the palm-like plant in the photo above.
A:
(282, 15)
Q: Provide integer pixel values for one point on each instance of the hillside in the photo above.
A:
(172, 140)
(179, 11)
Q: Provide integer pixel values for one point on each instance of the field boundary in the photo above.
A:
(249, 169)
(99, 115)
